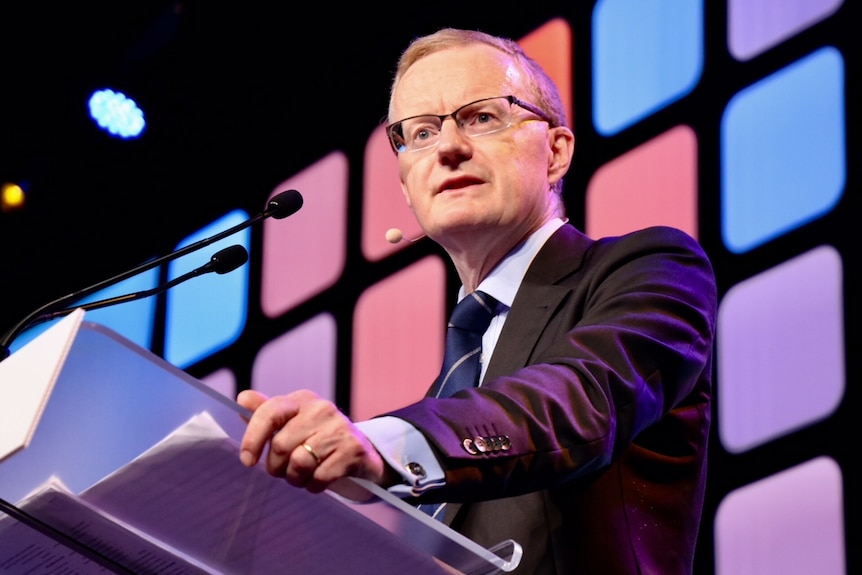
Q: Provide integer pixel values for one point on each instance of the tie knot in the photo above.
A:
(474, 312)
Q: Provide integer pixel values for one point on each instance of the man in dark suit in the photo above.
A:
(585, 438)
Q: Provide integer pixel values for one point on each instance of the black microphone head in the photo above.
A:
(228, 259)
(284, 204)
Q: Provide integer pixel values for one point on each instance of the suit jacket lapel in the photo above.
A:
(537, 300)
(535, 304)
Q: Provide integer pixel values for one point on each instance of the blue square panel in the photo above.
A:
(129, 313)
(206, 313)
(646, 55)
(783, 157)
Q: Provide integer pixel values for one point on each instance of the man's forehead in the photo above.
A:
(453, 77)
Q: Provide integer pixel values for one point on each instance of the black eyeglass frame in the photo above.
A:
(512, 101)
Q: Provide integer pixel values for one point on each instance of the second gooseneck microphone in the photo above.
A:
(222, 262)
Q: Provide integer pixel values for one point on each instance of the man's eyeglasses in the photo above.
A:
(479, 118)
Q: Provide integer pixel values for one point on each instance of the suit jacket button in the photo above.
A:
(468, 446)
(505, 443)
(481, 444)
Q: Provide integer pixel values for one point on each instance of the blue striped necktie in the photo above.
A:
(461, 360)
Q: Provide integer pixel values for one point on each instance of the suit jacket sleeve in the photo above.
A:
(603, 340)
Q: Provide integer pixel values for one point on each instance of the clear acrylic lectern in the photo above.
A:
(114, 461)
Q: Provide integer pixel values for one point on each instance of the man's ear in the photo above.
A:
(406, 195)
(561, 142)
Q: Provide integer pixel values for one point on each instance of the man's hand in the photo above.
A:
(311, 443)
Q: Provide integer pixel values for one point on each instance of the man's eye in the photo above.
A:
(421, 131)
(484, 117)
(422, 135)
(479, 117)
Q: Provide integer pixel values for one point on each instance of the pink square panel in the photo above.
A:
(383, 202)
(551, 46)
(787, 524)
(653, 184)
(302, 358)
(398, 331)
(305, 253)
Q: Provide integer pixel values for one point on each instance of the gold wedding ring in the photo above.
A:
(311, 452)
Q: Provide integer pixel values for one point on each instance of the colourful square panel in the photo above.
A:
(383, 202)
(206, 313)
(302, 358)
(783, 157)
(653, 184)
(305, 253)
(222, 381)
(551, 46)
(398, 331)
(791, 523)
(780, 349)
(754, 26)
(646, 55)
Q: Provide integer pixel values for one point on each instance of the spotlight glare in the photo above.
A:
(11, 197)
(116, 113)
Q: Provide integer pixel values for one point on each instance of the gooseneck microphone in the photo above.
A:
(280, 206)
(222, 262)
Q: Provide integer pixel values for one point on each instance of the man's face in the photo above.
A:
(466, 186)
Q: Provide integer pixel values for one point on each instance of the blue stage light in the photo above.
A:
(117, 114)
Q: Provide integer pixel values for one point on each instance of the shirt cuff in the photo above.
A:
(407, 451)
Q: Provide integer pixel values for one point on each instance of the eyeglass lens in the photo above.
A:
(474, 119)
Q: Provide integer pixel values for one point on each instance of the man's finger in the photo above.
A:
(250, 399)
(269, 416)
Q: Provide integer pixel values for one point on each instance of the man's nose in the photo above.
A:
(451, 138)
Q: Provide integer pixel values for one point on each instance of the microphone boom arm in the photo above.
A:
(238, 257)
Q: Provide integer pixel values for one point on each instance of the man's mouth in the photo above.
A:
(458, 183)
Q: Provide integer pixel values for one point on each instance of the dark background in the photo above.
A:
(240, 96)
(237, 98)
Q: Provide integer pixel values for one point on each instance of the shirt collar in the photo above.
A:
(504, 280)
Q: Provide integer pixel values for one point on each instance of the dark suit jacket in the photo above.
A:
(594, 413)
